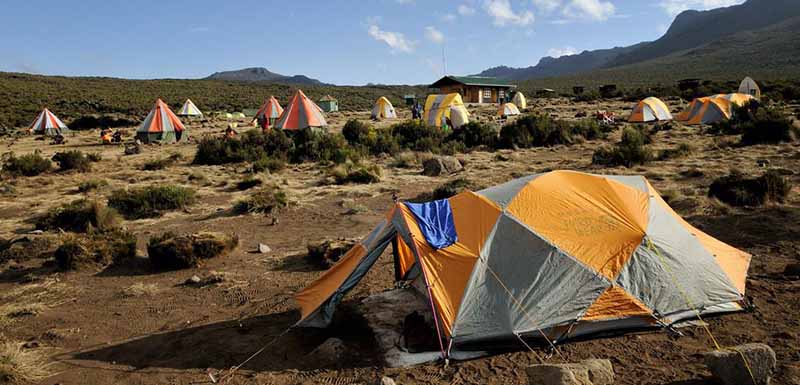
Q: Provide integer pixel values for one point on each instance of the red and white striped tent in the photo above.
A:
(48, 124)
(160, 125)
(301, 113)
(269, 112)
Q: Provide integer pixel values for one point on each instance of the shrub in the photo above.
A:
(737, 190)
(79, 216)
(248, 183)
(769, 126)
(590, 129)
(314, 145)
(72, 160)
(265, 201)
(631, 150)
(474, 134)
(268, 164)
(535, 131)
(356, 173)
(155, 164)
(454, 187)
(171, 252)
(417, 135)
(94, 157)
(27, 165)
(251, 146)
(102, 249)
(683, 149)
(357, 132)
(149, 202)
(19, 365)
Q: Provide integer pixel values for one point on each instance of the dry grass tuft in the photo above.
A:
(19, 365)
(139, 290)
(14, 311)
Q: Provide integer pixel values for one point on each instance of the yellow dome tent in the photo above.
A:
(520, 101)
(713, 109)
(507, 109)
(649, 110)
(440, 107)
(383, 109)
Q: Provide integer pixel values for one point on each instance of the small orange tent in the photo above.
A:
(269, 112)
(160, 125)
(300, 113)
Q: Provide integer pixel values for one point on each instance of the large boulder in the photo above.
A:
(558, 374)
(327, 252)
(601, 371)
(729, 367)
(441, 165)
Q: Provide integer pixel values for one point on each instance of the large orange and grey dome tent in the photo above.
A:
(160, 125)
(649, 110)
(48, 124)
(713, 109)
(269, 112)
(559, 255)
(300, 113)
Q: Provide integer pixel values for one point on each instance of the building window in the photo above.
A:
(501, 94)
(487, 94)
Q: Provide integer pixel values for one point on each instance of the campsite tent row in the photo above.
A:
(555, 256)
(704, 110)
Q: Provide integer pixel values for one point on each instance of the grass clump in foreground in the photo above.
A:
(91, 185)
(151, 201)
(72, 160)
(79, 216)
(96, 250)
(265, 201)
(27, 165)
(736, 189)
(682, 150)
(161, 163)
(356, 173)
(169, 251)
(19, 365)
(630, 151)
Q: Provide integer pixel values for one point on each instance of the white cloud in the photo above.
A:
(465, 10)
(547, 5)
(503, 14)
(674, 7)
(434, 35)
(559, 52)
(395, 40)
(591, 10)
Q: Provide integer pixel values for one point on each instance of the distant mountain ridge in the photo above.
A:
(261, 74)
(690, 29)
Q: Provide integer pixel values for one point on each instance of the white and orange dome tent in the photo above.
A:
(160, 125)
(507, 109)
(48, 124)
(383, 109)
(300, 113)
(269, 112)
(713, 109)
(649, 110)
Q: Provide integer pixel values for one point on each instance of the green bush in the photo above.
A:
(151, 201)
(313, 145)
(536, 131)
(630, 151)
(172, 252)
(101, 249)
(357, 132)
(356, 173)
(79, 216)
(736, 189)
(474, 134)
(416, 135)
(251, 146)
(72, 160)
(27, 165)
(682, 150)
(94, 157)
(265, 201)
(268, 164)
(768, 126)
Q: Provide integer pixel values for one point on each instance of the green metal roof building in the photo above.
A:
(476, 89)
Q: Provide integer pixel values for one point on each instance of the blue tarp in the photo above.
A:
(435, 219)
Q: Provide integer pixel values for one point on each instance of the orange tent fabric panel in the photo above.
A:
(405, 256)
(318, 292)
(474, 217)
(615, 303)
(598, 221)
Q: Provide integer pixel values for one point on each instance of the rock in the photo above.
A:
(263, 249)
(729, 367)
(36, 232)
(558, 374)
(441, 165)
(31, 345)
(193, 280)
(601, 372)
(327, 252)
(792, 270)
(387, 381)
(762, 162)
(330, 352)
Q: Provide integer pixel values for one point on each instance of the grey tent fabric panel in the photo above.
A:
(649, 116)
(552, 288)
(503, 194)
(683, 262)
(323, 316)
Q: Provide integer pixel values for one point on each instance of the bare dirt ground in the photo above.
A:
(97, 328)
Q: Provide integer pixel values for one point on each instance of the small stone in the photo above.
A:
(558, 374)
(729, 367)
(193, 280)
(441, 165)
(263, 249)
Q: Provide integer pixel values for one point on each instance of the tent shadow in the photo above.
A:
(297, 263)
(226, 344)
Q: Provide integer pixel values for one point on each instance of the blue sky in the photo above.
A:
(336, 41)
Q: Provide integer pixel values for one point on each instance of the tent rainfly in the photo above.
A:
(161, 125)
(713, 109)
(520, 101)
(48, 124)
(269, 112)
(750, 87)
(440, 107)
(650, 110)
(383, 109)
(549, 256)
(507, 109)
(189, 109)
(300, 113)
